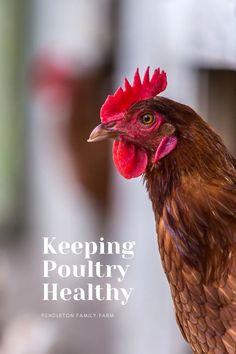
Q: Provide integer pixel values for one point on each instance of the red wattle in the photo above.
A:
(130, 160)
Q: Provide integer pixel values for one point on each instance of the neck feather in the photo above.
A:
(182, 187)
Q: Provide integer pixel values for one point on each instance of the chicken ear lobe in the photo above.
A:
(167, 144)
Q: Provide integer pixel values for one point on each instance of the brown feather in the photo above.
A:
(193, 192)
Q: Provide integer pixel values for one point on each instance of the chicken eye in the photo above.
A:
(147, 118)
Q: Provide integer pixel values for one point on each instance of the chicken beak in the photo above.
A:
(101, 132)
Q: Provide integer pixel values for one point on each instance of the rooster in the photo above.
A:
(191, 180)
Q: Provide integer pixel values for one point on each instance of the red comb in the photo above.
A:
(117, 104)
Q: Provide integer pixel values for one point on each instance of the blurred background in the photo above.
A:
(58, 61)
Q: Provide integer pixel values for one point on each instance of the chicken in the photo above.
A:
(60, 84)
(191, 180)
